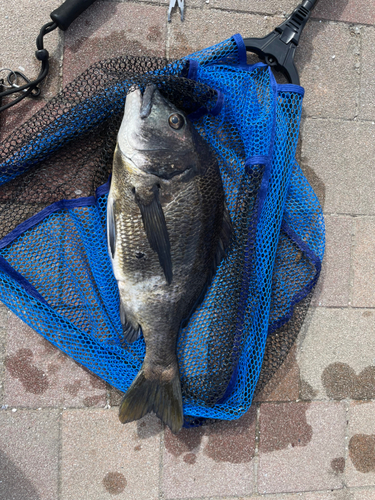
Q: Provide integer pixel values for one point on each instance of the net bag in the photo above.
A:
(55, 271)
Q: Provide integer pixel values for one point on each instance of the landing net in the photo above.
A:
(55, 272)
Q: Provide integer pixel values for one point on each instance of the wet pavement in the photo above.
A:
(311, 433)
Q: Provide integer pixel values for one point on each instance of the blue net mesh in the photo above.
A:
(55, 272)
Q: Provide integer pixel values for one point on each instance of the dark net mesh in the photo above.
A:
(55, 271)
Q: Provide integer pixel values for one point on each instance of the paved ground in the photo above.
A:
(312, 434)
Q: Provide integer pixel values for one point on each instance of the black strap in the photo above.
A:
(1, 89)
(62, 17)
(30, 87)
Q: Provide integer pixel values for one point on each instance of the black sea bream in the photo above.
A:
(167, 229)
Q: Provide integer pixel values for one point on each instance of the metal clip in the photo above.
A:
(172, 4)
(12, 80)
(11, 72)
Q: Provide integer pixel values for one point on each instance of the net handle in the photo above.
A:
(64, 15)
(278, 48)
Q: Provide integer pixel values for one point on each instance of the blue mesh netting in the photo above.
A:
(55, 273)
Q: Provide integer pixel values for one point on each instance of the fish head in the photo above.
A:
(156, 137)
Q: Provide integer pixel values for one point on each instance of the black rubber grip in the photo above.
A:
(64, 15)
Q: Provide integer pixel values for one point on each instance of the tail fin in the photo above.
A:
(164, 398)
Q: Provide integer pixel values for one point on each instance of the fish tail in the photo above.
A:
(163, 398)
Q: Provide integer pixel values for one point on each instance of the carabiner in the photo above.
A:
(13, 77)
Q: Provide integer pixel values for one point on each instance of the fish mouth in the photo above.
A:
(146, 101)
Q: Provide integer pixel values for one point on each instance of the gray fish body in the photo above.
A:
(165, 221)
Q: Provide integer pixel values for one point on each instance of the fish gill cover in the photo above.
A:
(55, 271)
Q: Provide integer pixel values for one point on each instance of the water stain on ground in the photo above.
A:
(154, 34)
(93, 400)
(232, 442)
(284, 425)
(53, 368)
(190, 458)
(73, 388)
(95, 381)
(117, 44)
(15, 485)
(341, 381)
(19, 365)
(181, 46)
(147, 427)
(338, 465)
(284, 384)
(114, 482)
(362, 452)
(185, 441)
(307, 392)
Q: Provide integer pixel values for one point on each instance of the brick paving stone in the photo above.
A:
(20, 23)
(157, 2)
(316, 495)
(115, 396)
(284, 385)
(336, 354)
(328, 63)
(111, 29)
(367, 98)
(341, 155)
(200, 31)
(103, 459)
(301, 447)
(363, 494)
(176, 11)
(333, 288)
(350, 10)
(363, 263)
(343, 494)
(256, 6)
(29, 455)
(3, 334)
(361, 443)
(214, 460)
(196, 4)
(38, 374)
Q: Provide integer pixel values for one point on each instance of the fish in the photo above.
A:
(168, 229)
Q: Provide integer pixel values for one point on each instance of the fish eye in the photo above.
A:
(176, 121)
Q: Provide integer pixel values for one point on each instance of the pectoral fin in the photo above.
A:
(157, 232)
(130, 334)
